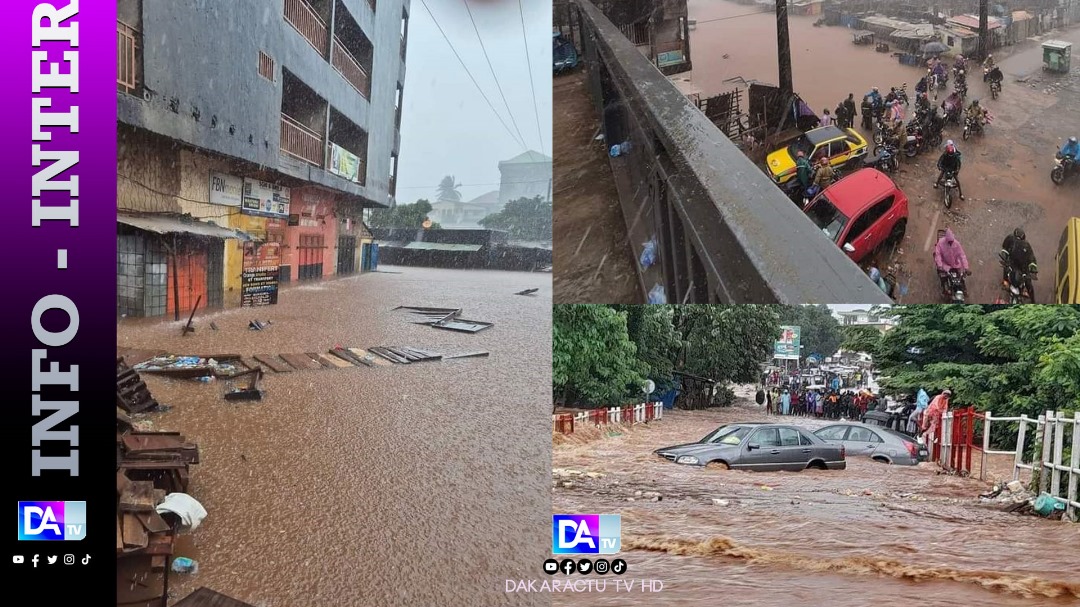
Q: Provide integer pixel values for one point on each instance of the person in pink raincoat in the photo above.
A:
(949, 255)
(931, 420)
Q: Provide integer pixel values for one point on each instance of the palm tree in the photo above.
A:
(448, 190)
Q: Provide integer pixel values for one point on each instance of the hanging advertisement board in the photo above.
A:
(265, 199)
(259, 281)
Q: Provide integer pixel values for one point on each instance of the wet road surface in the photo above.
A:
(871, 534)
(593, 262)
(1005, 174)
(421, 484)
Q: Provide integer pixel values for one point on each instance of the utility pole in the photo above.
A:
(984, 29)
(783, 50)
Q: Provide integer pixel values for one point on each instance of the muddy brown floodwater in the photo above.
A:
(1005, 173)
(872, 534)
(421, 484)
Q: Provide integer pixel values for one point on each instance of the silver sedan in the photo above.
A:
(876, 442)
(757, 446)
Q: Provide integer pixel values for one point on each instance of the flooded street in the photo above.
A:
(872, 534)
(1005, 173)
(420, 484)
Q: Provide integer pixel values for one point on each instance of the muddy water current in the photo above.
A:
(370, 486)
(872, 534)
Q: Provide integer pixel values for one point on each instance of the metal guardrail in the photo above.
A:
(350, 69)
(724, 232)
(311, 26)
(300, 141)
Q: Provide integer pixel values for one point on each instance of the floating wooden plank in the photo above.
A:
(137, 443)
(302, 362)
(466, 355)
(364, 356)
(274, 364)
(402, 353)
(345, 354)
(204, 597)
(219, 357)
(390, 356)
(153, 464)
(422, 354)
(122, 482)
(337, 361)
(119, 536)
(138, 497)
(250, 363)
(376, 361)
(463, 326)
(135, 535)
(319, 360)
(152, 521)
(157, 562)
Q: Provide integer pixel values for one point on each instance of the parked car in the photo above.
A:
(759, 446)
(1067, 285)
(875, 442)
(841, 146)
(861, 212)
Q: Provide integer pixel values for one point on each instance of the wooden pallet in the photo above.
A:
(275, 365)
(132, 395)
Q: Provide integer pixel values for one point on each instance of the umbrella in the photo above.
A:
(934, 47)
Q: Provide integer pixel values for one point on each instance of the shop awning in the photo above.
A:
(442, 246)
(173, 224)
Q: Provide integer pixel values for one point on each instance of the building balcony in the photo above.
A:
(301, 142)
(347, 65)
(128, 58)
(308, 23)
(403, 45)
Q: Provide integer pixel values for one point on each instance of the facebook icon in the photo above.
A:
(586, 533)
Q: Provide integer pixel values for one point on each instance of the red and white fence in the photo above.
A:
(628, 414)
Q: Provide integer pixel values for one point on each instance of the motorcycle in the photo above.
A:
(914, 143)
(975, 127)
(995, 88)
(1064, 166)
(901, 94)
(881, 130)
(885, 158)
(931, 130)
(1018, 284)
(955, 285)
(950, 184)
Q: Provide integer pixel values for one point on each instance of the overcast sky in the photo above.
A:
(447, 127)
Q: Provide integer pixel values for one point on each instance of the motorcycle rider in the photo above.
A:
(994, 75)
(803, 172)
(988, 63)
(875, 97)
(1016, 249)
(976, 113)
(959, 65)
(949, 255)
(1071, 149)
(867, 108)
(960, 86)
(949, 162)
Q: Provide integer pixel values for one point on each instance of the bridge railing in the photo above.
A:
(722, 232)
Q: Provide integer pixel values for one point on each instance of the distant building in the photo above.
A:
(659, 28)
(526, 175)
(863, 318)
(467, 213)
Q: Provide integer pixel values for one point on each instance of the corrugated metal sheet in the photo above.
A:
(170, 224)
(442, 246)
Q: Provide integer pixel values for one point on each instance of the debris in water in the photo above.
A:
(251, 392)
(527, 292)
(188, 328)
(182, 564)
(257, 325)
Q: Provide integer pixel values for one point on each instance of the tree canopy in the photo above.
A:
(402, 216)
(603, 354)
(1007, 359)
(524, 219)
(447, 190)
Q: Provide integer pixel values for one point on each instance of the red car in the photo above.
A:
(861, 212)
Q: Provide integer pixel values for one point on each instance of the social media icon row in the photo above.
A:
(584, 566)
(69, 559)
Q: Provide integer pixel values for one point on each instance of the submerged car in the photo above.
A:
(759, 446)
(880, 444)
(840, 146)
(861, 212)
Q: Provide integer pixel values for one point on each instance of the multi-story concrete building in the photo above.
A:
(526, 175)
(251, 136)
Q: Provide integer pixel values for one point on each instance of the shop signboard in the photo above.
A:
(787, 347)
(265, 199)
(259, 281)
(227, 190)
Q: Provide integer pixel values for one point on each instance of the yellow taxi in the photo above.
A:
(1067, 283)
(841, 146)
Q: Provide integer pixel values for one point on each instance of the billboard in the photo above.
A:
(259, 281)
(344, 163)
(787, 347)
(265, 199)
(226, 189)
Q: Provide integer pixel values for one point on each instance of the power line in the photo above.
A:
(528, 60)
(496, 78)
(728, 18)
(466, 68)
(468, 185)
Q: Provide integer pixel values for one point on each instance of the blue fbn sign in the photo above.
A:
(586, 533)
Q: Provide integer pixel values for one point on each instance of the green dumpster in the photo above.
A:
(1056, 54)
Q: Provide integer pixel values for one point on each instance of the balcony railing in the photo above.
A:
(128, 72)
(299, 141)
(350, 68)
(305, 20)
(403, 46)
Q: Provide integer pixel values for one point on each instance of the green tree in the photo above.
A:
(402, 216)
(861, 339)
(593, 360)
(1011, 360)
(524, 219)
(652, 331)
(726, 343)
(819, 330)
(447, 190)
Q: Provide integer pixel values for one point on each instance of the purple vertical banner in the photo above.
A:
(59, 332)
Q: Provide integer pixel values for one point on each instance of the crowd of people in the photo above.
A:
(826, 403)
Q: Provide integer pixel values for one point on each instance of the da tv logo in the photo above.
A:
(586, 533)
(53, 521)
